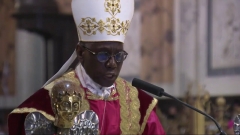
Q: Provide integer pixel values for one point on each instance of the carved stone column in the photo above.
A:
(58, 36)
(43, 17)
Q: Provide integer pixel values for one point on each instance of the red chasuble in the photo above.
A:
(126, 111)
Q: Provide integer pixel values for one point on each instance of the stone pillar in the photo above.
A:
(30, 63)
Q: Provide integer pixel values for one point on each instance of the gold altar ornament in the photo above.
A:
(66, 103)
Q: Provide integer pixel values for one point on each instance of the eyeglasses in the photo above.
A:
(104, 56)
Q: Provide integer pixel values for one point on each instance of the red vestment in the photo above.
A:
(126, 111)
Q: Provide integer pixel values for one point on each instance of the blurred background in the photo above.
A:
(191, 48)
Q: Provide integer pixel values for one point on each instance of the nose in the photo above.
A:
(70, 114)
(111, 63)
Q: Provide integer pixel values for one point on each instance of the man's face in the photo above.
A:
(103, 73)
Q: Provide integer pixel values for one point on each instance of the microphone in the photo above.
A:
(153, 89)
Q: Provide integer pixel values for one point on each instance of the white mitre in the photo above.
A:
(99, 20)
(102, 20)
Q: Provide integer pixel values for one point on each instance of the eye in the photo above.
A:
(66, 106)
(119, 56)
(75, 106)
(102, 56)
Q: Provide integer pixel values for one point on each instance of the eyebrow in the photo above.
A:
(101, 47)
(108, 49)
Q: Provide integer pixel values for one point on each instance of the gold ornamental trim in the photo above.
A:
(112, 25)
(130, 104)
(70, 76)
(112, 6)
(149, 110)
(30, 110)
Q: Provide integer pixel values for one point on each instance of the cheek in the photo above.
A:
(88, 61)
(119, 66)
(92, 67)
(65, 115)
(75, 114)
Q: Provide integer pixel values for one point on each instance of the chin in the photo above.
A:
(107, 83)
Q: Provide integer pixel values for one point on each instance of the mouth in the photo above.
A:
(110, 76)
(70, 117)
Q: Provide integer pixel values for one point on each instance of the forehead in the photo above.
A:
(71, 98)
(105, 45)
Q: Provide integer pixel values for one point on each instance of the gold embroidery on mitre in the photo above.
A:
(89, 26)
(130, 104)
(149, 110)
(113, 26)
(70, 76)
(112, 6)
(125, 25)
(30, 110)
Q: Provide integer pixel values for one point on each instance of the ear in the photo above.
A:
(80, 52)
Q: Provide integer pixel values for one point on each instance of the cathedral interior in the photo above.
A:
(188, 47)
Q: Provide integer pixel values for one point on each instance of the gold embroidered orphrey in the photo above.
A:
(113, 26)
(130, 104)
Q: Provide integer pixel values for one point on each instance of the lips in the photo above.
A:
(70, 117)
(110, 75)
